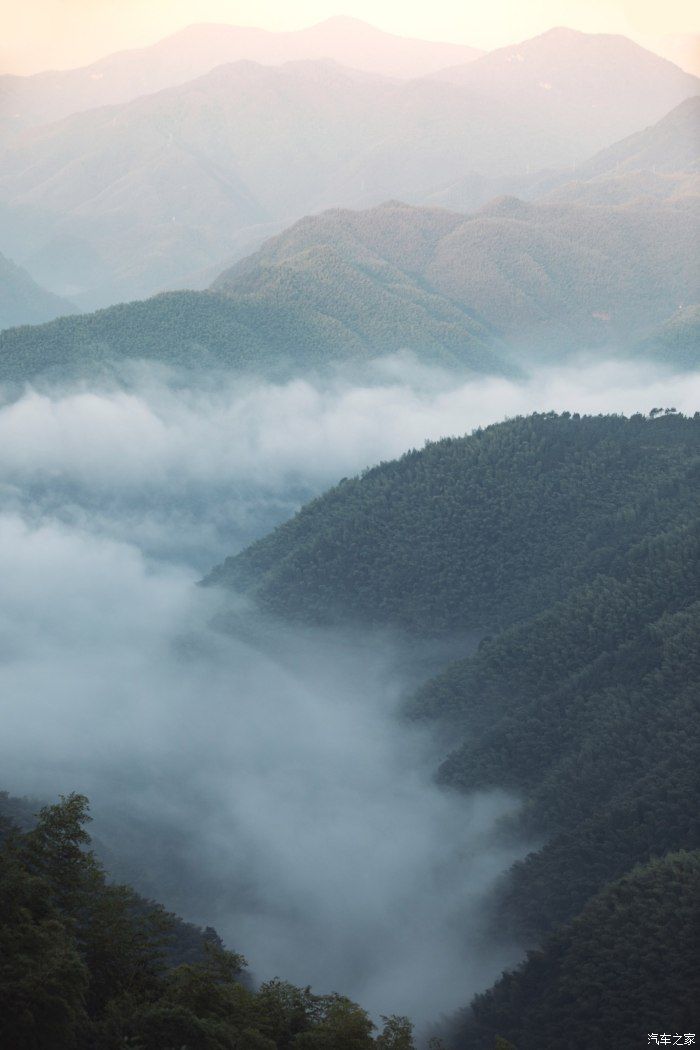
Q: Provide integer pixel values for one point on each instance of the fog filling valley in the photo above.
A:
(264, 785)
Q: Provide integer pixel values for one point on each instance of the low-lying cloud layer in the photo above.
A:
(195, 473)
(266, 785)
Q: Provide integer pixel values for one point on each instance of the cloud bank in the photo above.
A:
(263, 785)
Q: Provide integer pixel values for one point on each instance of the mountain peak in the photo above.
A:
(563, 32)
(341, 21)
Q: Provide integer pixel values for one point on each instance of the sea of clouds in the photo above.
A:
(265, 784)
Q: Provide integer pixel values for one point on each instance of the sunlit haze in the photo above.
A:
(59, 34)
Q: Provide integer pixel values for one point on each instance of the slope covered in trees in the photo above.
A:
(624, 968)
(481, 531)
(512, 265)
(590, 713)
(490, 292)
(574, 542)
(277, 335)
(84, 965)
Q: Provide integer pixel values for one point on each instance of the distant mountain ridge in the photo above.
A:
(511, 266)
(488, 292)
(661, 161)
(121, 202)
(197, 49)
(23, 301)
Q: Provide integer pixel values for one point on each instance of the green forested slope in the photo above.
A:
(84, 965)
(575, 543)
(328, 314)
(549, 277)
(481, 531)
(493, 292)
(625, 968)
(591, 713)
(676, 343)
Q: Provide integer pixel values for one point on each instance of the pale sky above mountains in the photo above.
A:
(60, 34)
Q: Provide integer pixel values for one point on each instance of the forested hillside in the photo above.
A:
(675, 343)
(490, 293)
(574, 544)
(512, 265)
(590, 713)
(88, 965)
(277, 335)
(481, 531)
(349, 527)
(625, 968)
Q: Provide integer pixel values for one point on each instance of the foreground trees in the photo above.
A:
(83, 965)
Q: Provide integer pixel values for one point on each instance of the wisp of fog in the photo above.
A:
(264, 785)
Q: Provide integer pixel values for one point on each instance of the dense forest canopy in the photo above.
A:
(482, 294)
(626, 967)
(481, 531)
(574, 544)
(89, 965)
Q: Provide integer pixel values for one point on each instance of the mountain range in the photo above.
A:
(512, 266)
(489, 292)
(661, 161)
(191, 52)
(125, 200)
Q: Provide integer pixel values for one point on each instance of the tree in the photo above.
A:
(396, 1034)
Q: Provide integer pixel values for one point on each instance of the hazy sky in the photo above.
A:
(41, 34)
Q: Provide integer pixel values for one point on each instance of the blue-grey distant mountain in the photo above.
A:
(588, 78)
(675, 343)
(44, 97)
(547, 278)
(661, 161)
(121, 201)
(23, 301)
(493, 292)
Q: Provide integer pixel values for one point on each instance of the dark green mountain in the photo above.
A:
(627, 965)
(481, 531)
(590, 713)
(574, 543)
